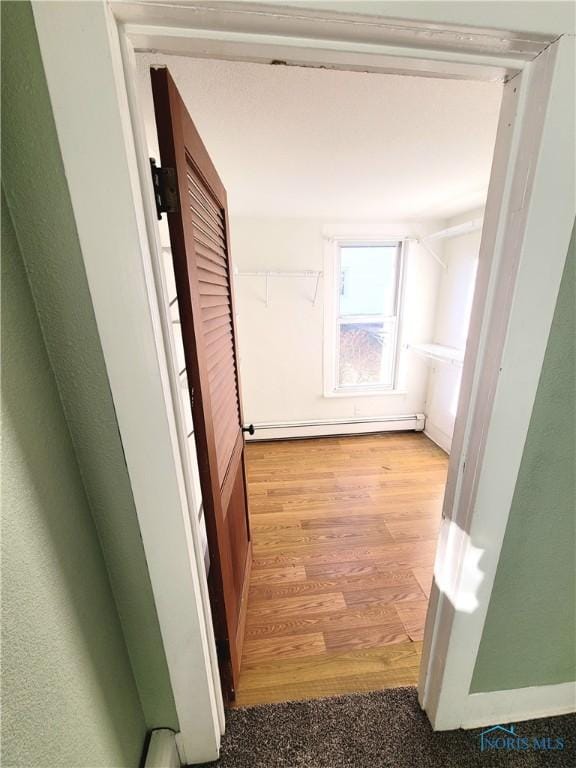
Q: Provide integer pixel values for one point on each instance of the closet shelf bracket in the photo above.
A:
(267, 274)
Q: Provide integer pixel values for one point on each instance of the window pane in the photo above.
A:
(368, 279)
(366, 354)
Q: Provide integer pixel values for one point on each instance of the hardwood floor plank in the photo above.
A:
(266, 528)
(343, 501)
(348, 570)
(366, 522)
(287, 606)
(401, 509)
(348, 618)
(285, 647)
(396, 555)
(277, 575)
(365, 637)
(385, 595)
(266, 476)
(295, 539)
(348, 582)
(382, 480)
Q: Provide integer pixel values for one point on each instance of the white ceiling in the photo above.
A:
(291, 141)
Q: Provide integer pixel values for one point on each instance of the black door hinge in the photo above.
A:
(165, 189)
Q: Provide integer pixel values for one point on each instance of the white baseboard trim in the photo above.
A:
(498, 707)
(439, 437)
(329, 428)
(163, 750)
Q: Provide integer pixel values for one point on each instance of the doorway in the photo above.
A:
(359, 312)
(499, 379)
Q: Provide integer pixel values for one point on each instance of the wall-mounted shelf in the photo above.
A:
(455, 231)
(439, 353)
(267, 274)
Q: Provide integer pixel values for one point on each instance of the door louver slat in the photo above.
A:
(207, 214)
(218, 373)
(216, 354)
(211, 313)
(206, 231)
(209, 244)
(214, 301)
(210, 324)
(213, 256)
(209, 289)
(211, 266)
(196, 186)
(218, 336)
(208, 276)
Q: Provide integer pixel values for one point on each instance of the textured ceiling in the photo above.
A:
(294, 142)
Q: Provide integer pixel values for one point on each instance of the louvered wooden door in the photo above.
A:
(199, 241)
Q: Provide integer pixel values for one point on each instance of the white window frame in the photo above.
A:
(332, 317)
(530, 211)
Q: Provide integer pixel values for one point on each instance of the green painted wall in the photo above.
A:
(69, 697)
(40, 206)
(530, 630)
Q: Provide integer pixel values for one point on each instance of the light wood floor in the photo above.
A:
(344, 533)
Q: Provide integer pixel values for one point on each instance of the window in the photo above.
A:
(363, 315)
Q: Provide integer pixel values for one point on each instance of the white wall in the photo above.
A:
(301, 142)
(335, 144)
(281, 346)
(451, 329)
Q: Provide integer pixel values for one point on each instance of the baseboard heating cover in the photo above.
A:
(331, 427)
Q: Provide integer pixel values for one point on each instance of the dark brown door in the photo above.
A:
(199, 240)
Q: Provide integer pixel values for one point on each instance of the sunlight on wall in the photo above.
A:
(460, 588)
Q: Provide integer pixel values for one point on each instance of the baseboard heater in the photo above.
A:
(284, 430)
(163, 750)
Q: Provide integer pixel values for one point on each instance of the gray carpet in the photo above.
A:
(385, 729)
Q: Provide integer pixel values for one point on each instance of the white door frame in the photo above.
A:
(87, 51)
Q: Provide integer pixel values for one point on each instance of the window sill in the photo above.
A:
(365, 393)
